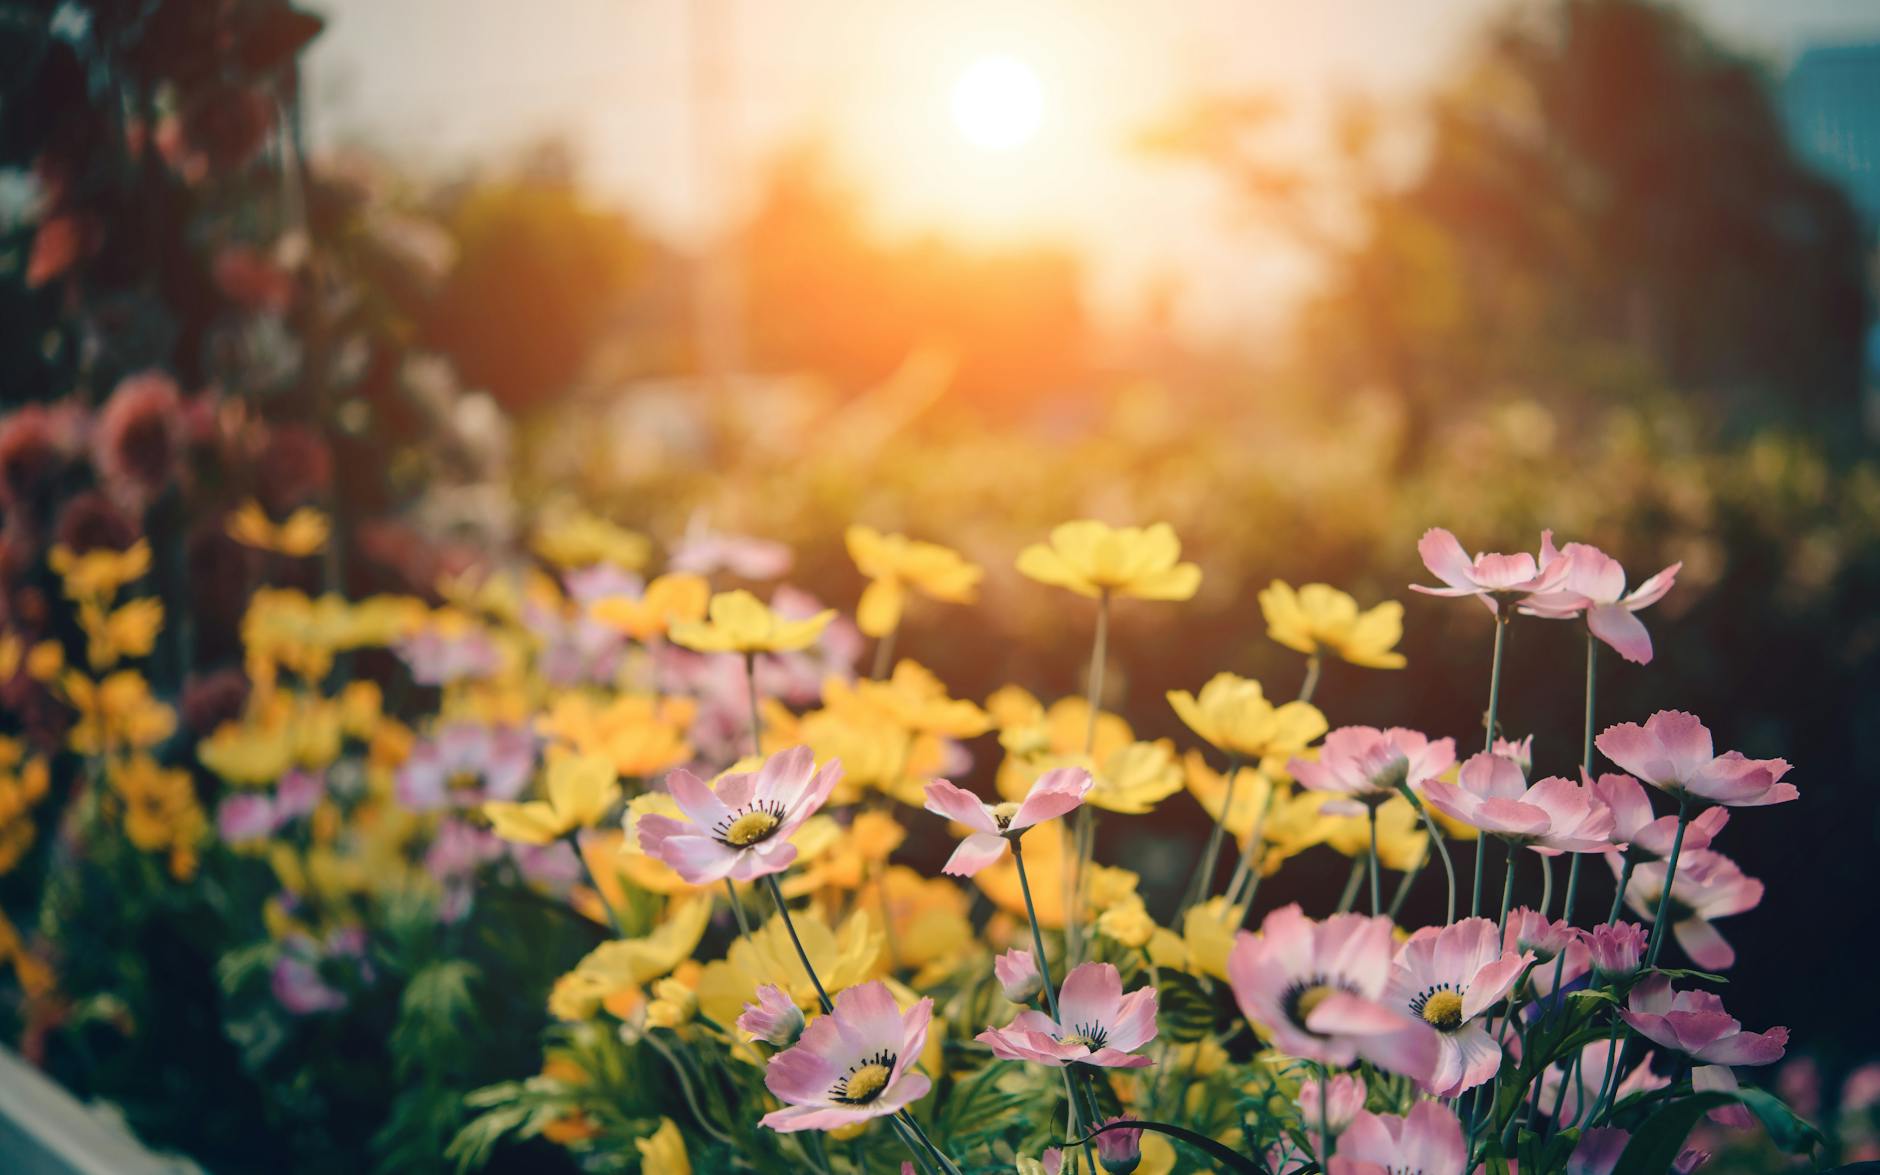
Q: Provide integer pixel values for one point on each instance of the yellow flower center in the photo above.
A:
(1078, 1038)
(750, 828)
(1444, 1010)
(1309, 1000)
(463, 781)
(865, 1084)
(1003, 813)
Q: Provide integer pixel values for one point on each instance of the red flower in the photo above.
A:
(139, 437)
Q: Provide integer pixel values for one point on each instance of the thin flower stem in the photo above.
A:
(1037, 938)
(1488, 742)
(908, 1140)
(1671, 875)
(1618, 897)
(1442, 849)
(1202, 886)
(1311, 683)
(1352, 882)
(1377, 899)
(1085, 840)
(776, 895)
(884, 653)
(600, 895)
(1327, 1144)
(1547, 882)
(1606, 1086)
(757, 723)
(685, 1088)
(946, 1164)
(1099, 651)
(737, 908)
(1507, 885)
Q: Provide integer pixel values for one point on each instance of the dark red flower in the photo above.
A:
(295, 466)
(91, 521)
(139, 437)
(34, 443)
(211, 699)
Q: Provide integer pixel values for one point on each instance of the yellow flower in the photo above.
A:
(581, 789)
(361, 706)
(117, 712)
(99, 573)
(256, 750)
(1233, 714)
(302, 533)
(161, 813)
(582, 540)
(1104, 886)
(914, 699)
(663, 1151)
(1319, 616)
(893, 563)
(767, 956)
(671, 599)
(1132, 779)
(1128, 923)
(741, 623)
(673, 1005)
(639, 735)
(929, 930)
(130, 631)
(12, 652)
(1252, 792)
(1092, 558)
(616, 966)
(1029, 732)
(44, 661)
(1401, 838)
(1208, 933)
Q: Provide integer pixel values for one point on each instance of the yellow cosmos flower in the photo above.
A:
(161, 813)
(111, 636)
(893, 563)
(1208, 933)
(1253, 790)
(44, 661)
(875, 752)
(1104, 886)
(767, 956)
(1132, 779)
(300, 534)
(675, 999)
(928, 927)
(1092, 558)
(663, 1151)
(581, 789)
(1319, 616)
(118, 712)
(100, 573)
(913, 699)
(1128, 923)
(671, 599)
(631, 963)
(578, 539)
(639, 735)
(1233, 714)
(851, 857)
(741, 623)
(1293, 825)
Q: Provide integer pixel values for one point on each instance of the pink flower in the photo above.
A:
(1695, 1024)
(465, 764)
(1448, 977)
(1672, 752)
(1329, 1107)
(1099, 1026)
(1583, 1084)
(1427, 1141)
(1120, 1151)
(1595, 586)
(1709, 885)
(703, 551)
(854, 1064)
(1520, 750)
(1634, 826)
(1370, 764)
(298, 988)
(244, 817)
(137, 442)
(1017, 972)
(1553, 816)
(1598, 1150)
(1617, 949)
(749, 815)
(1054, 794)
(774, 1018)
(1489, 578)
(1318, 992)
(439, 658)
(1528, 930)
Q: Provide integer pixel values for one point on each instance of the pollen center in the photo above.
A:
(750, 828)
(1310, 999)
(1003, 813)
(865, 1084)
(1444, 1010)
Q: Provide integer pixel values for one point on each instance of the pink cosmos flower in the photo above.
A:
(702, 551)
(1583, 1084)
(1489, 578)
(1100, 1025)
(1017, 972)
(774, 1018)
(464, 764)
(1672, 752)
(1317, 990)
(854, 1064)
(1695, 1024)
(1329, 1107)
(1553, 816)
(1527, 930)
(1634, 827)
(1617, 949)
(297, 986)
(741, 828)
(244, 817)
(1521, 750)
(1427, 1141)
(1448, 977)
(1119, 1150)
(437, 658)
(1055, 793)
(1709, 885)
(1369, 764)
(1595, 585)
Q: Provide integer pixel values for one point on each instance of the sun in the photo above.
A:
(998, 103)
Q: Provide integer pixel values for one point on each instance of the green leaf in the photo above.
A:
(1655, 1145)
(1184, 1008)
(1791, 1133)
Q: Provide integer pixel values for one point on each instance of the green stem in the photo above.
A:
(1507, 884)
(1442, 849)
(1671, 875)
(1377, 900)
(757, 723)
(1202, 886)
(939, 1155)
(884, 653)
(1488, 742)
(1547, 882)
(1099, 651)
(1311, 683)
(1352, 882)
(776, 895)
(600, 895)
(1037, 937)
(1618, 898)
(737, 908)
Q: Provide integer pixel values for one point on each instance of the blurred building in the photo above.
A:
(1831, 100)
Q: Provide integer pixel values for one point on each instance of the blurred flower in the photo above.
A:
(1595, 586)
(1252, 792)
(161, 813)
(663, 1151)
(1449, 977)
(299, 988)
(449, 646)
(1588, 1079)
(741, 623)
(35, 441)
(137, 438)
(465, 764)
(294, 467)
(581, 788)
(1097, 1025)
(1055, 794)
(768, 955)
(773, 1018)
(667, 600)
(111, 636)
(1318, 991)
(99, 573)
(1017, 973)
(1555, 815)
(1427, 1140)
(90, 522)
(640, 735)
(1342, 1097)
(1233, 714)
(1491, 579)
(1369, 764)
(1120, 1150)
(302, 533)
(627, 964)
(1320, 617)
(579, 539)
(854, 1064)
(1709, 885)
(1092, 558)
(893, 563)
(115, 713)
(1672, 752)
(703, 551)
(750, 817)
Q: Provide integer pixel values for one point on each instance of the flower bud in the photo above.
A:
(1018, 976)
(774, 1018)
(1343, 1097)
(1120, 1151)
(1617, 950)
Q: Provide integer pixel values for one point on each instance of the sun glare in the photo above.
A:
(998, 103)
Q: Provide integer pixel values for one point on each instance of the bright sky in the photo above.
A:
(442, 83)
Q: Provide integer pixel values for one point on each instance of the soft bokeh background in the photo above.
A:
(1301, 280)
